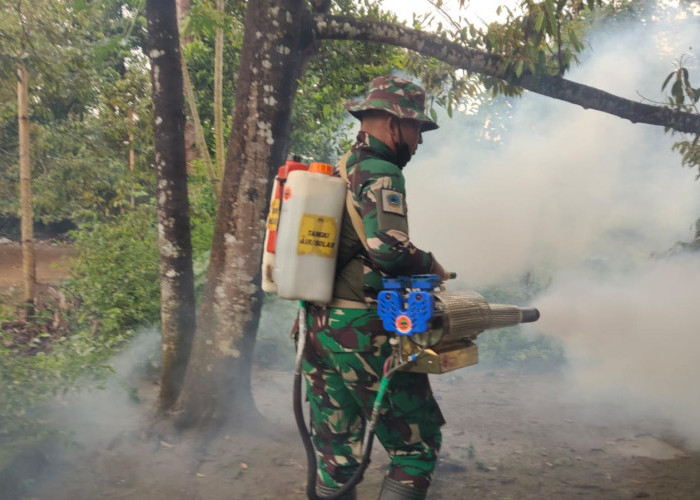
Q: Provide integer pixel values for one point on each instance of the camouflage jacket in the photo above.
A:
(378, 188)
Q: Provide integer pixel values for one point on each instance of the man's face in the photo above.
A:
(411, 133)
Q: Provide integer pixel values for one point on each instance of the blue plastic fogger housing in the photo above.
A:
(406, 303)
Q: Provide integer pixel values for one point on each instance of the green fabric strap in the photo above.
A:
(355, 218)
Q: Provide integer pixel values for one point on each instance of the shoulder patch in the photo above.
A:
(393, 202)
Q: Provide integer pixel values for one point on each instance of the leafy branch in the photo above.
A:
(684, 97)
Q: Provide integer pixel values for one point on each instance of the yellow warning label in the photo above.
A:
(317, 235)
(273, 217)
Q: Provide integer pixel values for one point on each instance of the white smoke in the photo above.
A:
(97, 416)
(585, 198)
(567, 184)
(633, 339)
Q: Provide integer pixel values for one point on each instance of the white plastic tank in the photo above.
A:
(268, 260)
(308, 234)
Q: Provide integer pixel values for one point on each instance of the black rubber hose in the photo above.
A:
(311, 454)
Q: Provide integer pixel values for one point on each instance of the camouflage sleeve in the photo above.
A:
(382, 204)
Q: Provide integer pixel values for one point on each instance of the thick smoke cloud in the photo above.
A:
(585, 199)
(566, 185)
(634, 339)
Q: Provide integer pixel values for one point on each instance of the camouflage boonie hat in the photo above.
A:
(396, 96)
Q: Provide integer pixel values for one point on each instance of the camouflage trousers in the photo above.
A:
(344, 356)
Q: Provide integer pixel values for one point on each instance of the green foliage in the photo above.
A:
(198, 36)
(116, 275)
(202, 220)
(690, 152)
(446, 88)
(202, 210)
(113, 289)
(540, 38)
(683, 96)
(87, 72)
(339, 73)
(203, 19)
(544, 39)
(81, 85)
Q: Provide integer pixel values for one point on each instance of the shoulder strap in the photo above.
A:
(355, 217)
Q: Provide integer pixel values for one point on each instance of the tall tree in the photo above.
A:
(176, 274)
(218, 97)
(17, 54)
(279, 38)
(25, 176)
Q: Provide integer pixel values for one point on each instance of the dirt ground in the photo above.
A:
(51, 263)
(508, 435)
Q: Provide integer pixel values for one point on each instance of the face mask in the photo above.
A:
(403, 153)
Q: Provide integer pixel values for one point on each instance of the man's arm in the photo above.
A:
(384, 213)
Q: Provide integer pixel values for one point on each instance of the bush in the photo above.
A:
(30, 380)
(116, 275)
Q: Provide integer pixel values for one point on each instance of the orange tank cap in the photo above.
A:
(321, 168)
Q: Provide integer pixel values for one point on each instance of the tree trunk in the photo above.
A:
(196, 125)
(25, 180)
(272, 58)
(176, 275)
(131, 152)
(218, 96)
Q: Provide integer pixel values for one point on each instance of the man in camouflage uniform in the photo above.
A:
(346, 346)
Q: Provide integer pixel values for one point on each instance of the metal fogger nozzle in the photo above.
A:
(460, 315)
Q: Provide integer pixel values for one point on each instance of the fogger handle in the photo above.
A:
(529, 314)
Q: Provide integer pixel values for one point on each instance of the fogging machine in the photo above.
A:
(435, 328)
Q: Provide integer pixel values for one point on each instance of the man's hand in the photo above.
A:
(440, 271)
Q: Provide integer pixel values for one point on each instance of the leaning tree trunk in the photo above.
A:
(25, 181)
(176, 275)
(272, 58)
(195, 143)
(196, 129)
(495, 65)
